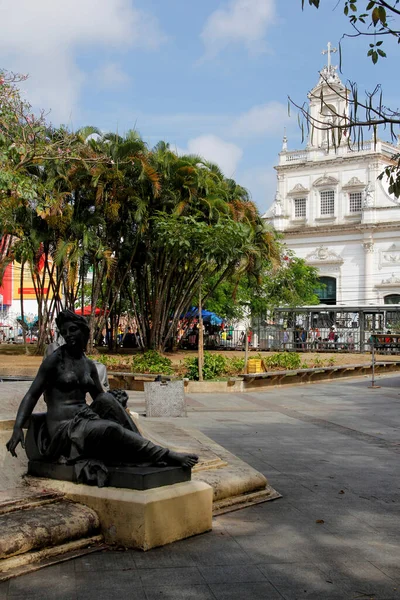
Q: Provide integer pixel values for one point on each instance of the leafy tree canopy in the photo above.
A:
(102, 220)
(292, 283)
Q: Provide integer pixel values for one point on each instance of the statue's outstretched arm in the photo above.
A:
(26, 407)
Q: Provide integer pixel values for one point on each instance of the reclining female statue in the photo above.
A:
(73, 431)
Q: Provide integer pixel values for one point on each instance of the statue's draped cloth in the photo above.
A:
(98, 435)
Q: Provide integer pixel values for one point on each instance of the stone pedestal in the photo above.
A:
(145, 519)
(165, 399)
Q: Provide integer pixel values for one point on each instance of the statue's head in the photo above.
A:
(66, 318)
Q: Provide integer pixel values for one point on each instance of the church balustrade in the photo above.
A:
(295, 156)
(388, 149)
(318, 153)
(364, 147)
(379, 147)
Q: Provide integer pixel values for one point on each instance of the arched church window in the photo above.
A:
(392, 299)
(327, 293)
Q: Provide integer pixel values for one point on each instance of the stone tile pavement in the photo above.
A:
(332, 450)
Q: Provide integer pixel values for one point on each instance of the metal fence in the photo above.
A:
(331, 329)
(13, 335)
(314, 340)
(274, 338)
(232, 339)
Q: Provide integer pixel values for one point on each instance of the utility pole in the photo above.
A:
(373, 386)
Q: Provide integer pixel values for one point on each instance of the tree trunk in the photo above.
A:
(246, 348)
(96, 293)
(22, 305)
(201, 338)
(82, 288)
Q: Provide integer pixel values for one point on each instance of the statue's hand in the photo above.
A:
(16, 438)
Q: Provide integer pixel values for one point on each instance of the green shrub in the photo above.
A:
(234, 366)
(151, 362)
(104, 359)
(283, 360)
(214, 366)
(191, 367)
(113, 363)
(318, 362)
(101, 358)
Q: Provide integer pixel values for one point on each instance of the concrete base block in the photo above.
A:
(165, 399)
(144, 519)
(124, 476)
(232, 386)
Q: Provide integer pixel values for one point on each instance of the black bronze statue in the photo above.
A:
(73, 431)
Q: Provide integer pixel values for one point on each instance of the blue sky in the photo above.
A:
(209, 76)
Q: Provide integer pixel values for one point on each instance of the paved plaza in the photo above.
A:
(332, 450)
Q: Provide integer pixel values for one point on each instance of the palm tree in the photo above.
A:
(194, 229)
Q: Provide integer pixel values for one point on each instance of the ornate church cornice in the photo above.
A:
(353, 183)
(323, 162)
(297, 190)
(325, 180)
(390, 257)
(322, 255)
(393, 281)
(344, 229)
(328, 76)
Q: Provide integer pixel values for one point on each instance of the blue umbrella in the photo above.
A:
(206, 314)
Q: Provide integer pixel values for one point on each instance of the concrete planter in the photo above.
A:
(217, 387)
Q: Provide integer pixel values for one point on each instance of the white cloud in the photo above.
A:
(263, 119)
(110, 75)
(45, 37)
(261, 183)
(211, 147)
(241, 21)
(192, 124)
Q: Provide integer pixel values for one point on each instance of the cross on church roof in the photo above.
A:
(328, 52)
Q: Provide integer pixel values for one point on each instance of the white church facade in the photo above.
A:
(334, 211)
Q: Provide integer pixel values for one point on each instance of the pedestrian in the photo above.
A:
(285, 339)
(224, 336)
(312, 336)
(297, 338)
(331, 338)
(350, 342)
(303, 338)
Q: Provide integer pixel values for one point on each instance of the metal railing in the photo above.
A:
(313, 152)
(294, 156)
(277, 339)
(233, 339)
(13, 335)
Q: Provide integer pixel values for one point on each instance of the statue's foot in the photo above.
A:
(184, 460)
